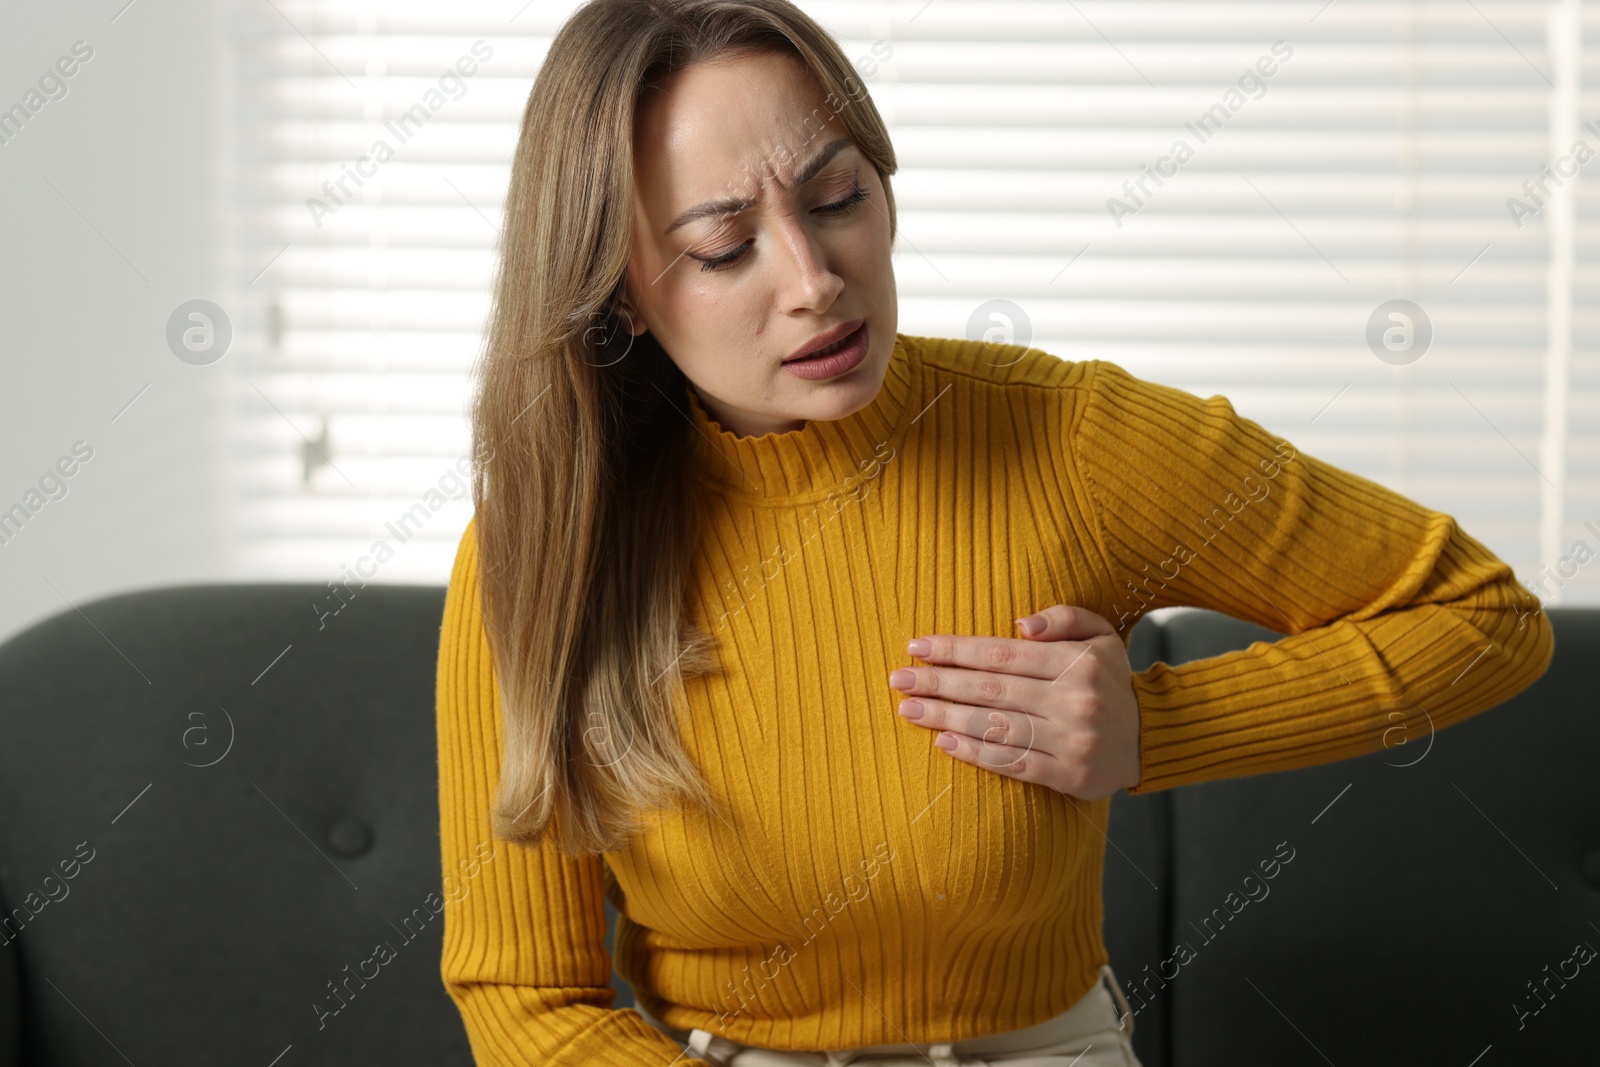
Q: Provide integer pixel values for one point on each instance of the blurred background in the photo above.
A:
(248, 247)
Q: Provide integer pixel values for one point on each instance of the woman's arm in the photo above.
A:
(524, 929)
(1398, 622)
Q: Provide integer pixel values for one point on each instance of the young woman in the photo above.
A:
(730, 639)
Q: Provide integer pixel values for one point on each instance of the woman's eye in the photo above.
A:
(720, 262)
(845, 206)
(834, 210)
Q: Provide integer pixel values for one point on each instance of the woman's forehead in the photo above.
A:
(722, 129)
(728, 111)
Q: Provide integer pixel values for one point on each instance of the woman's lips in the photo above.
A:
(817, 368)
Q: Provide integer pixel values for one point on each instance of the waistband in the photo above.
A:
(1095, 1011)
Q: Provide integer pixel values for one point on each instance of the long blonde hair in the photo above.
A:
(586, 519)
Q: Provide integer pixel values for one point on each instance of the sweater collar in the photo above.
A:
(815, 459)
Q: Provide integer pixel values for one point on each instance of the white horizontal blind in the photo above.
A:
(1374, 162)
(375, 145)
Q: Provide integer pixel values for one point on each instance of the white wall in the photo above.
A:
(111, 215)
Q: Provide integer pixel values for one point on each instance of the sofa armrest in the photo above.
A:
(10, 1000)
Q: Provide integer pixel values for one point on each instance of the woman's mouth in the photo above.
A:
(843, 355)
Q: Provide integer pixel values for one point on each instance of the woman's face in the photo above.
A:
(808, 254)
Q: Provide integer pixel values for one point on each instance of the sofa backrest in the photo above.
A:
(232, 798)
(223, 799)
(1137, 878)
(1438, 888)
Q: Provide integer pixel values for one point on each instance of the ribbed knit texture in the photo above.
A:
(869, 888)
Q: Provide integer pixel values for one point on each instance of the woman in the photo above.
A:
(665, 663)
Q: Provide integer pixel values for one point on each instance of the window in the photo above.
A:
(1225, 198)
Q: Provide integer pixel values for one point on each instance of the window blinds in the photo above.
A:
(1223, 197)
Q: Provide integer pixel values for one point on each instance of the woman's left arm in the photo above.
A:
(1396, 619)
(1398, 622)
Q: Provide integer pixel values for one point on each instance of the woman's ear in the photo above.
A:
(628, 312)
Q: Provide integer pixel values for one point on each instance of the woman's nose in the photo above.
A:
(809, 282)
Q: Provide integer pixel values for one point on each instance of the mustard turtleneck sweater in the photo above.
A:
(870, 888)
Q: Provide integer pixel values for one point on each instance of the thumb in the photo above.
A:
(1063, 622)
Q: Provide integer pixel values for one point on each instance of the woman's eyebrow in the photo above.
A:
(732, 205)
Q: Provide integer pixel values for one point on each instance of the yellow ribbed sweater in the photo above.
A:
(870, 888)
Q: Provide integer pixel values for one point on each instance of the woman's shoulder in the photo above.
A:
(1002, 365)
(1009, 366)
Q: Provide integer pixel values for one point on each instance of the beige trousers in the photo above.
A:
(1094, 1032)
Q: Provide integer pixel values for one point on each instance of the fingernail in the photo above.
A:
(911, 709)
(946, 742)
(1031, 625)
(919, 647)
(902, 679)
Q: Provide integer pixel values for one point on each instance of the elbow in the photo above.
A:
(1514, 647)
(1526, 642)
(1539, 640)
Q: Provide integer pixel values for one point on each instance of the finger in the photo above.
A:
(988, 725)
(1013, 762)
(1066, 622)
(996, 655)
(983, 689)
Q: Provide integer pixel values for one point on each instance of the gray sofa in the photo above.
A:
(217, 805)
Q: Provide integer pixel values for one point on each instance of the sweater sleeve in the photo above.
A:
(1397, 622)
(524, 955)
